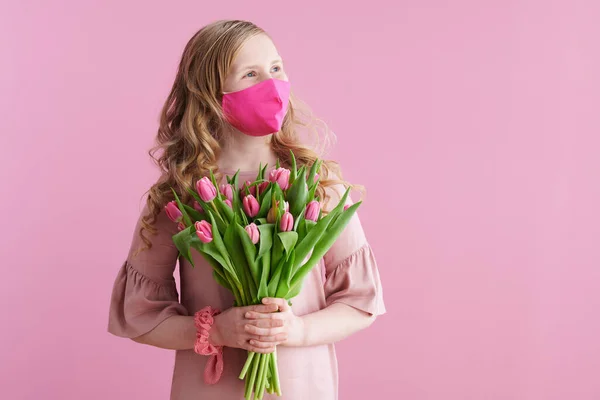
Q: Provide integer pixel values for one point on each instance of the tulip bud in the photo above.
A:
(173, 211)
(253, 232)
(272, 215)
(198, 207)
(312, 211)
(227, 191)
(281, 176)
(346, 207)
(206, 190)
(262, 187)
(181, 226)
(204, 231)
(228, 202)
(251, 206)
(287, 222)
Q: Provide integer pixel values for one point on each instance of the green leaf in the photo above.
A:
(196, 197)
(288, 239)
(220, 246)
(249, 252)
(298, 193)
(293, 171)
(266, 238)
(220, 279)
(186, 217)
(276, 277)
(304, 247)
(284, 283)
(224, 209)
(260, 221)
(265, 204)
(277, 252)
(214, 182)
(265, 261)
(194, 214)
(294, 291)
(235, 249)
(324, 244)
(313, 171)
(182, 241)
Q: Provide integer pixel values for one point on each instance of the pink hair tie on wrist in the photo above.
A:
(203, 320)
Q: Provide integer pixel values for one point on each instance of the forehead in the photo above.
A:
(258, 50)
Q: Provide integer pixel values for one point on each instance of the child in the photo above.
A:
(229, 109)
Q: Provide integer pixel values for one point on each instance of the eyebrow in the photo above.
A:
(277, 60)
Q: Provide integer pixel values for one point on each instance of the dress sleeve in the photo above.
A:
(144, 292)
(351, 272)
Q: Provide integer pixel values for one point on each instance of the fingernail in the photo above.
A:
(265, 300)
(252, 342)
(247, 315)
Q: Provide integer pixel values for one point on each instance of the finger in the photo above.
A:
(282, 304)
(254, 330)
(259, 315)
(263, 308)
(267, 323)
(275, 339)
(256, 349)
(261, 345)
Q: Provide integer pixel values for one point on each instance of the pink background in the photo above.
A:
(473, 124)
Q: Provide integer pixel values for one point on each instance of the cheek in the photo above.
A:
(236, 85)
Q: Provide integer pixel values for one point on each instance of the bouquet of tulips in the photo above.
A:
(261, 241)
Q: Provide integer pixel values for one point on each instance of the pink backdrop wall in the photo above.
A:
(473, 124)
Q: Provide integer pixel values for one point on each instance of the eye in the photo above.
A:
(276, 68)
(251, 74)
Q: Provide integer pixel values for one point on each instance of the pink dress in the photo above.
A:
(145, 294)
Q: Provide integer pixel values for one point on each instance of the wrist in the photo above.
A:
(297, 336)
(215, 337)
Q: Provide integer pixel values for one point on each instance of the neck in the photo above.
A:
(245, 153)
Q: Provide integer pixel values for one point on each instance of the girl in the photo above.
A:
(229, 110)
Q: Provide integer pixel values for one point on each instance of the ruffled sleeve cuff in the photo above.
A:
(139, 304)
(355, 281)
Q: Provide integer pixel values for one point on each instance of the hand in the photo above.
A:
(292, 326)
(229, 329)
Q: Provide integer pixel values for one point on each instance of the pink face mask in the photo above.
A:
(258, 110)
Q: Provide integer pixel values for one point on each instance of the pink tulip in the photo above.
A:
(228, 202)
(251, 206)
(198, 207)
(173, 211)
(281, 176)
(312, 211)
(287, 222)
(262, 187)
(206, 190)
(253, 232)
(181, 226)
(204, 231)
(227, 191)
(346, 207)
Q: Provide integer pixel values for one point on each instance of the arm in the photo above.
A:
(332, 324)
(329, 325)
(175, 333)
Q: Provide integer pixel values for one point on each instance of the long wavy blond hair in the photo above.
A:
(189, 138)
